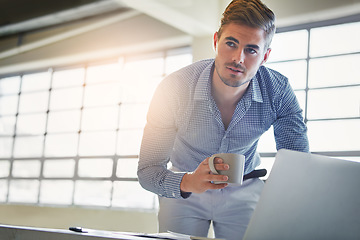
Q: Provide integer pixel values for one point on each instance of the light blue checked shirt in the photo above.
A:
(184, 125)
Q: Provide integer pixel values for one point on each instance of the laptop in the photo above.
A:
(308, 196)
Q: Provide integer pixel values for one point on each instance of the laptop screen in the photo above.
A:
(308, 196)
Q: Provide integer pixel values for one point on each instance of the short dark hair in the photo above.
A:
(252, 13)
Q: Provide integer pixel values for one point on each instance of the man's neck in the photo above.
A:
(227, 95)
(227, 98)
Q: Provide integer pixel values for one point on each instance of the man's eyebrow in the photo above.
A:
(232, 39)
(237, 41)
(253, 46)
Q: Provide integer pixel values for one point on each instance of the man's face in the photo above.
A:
(240, 51)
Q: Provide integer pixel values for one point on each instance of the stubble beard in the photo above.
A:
(231, 82)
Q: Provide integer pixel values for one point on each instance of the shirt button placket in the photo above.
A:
(224, 146)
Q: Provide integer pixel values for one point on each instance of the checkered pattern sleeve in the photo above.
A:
(289, 129)
(157, 144)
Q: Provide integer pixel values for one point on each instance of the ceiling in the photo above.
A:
(190, 16)
(24, 15)
(12, 12)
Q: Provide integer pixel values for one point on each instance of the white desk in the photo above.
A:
(29, 233)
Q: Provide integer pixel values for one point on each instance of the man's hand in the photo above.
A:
(200, 180)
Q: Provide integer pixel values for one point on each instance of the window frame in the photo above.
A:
(308, 27)
(114, 179)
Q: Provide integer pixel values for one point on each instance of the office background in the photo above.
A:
(76, 81)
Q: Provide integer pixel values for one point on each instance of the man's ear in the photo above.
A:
(266, 56)
(215, 40)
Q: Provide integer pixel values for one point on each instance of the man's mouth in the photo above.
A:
(236, 70)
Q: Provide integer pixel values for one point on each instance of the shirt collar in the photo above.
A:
(255, 89)
(203, 86)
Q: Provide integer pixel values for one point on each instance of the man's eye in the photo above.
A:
(251, 51)
(231, 44)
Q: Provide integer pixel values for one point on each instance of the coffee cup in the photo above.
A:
(236, 164)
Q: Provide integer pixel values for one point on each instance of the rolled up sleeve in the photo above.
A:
(290, 130)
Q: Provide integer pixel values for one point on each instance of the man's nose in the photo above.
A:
(239, 56)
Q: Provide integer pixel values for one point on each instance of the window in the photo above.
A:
(72, 136)
(320, 64)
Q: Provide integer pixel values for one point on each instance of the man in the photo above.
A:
(215, 106)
